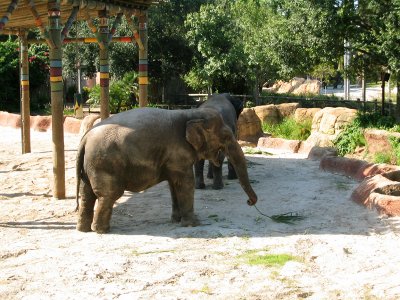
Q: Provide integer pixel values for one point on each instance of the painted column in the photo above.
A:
(57, 106)
(25, 99)
(104, 67)
(143, 62)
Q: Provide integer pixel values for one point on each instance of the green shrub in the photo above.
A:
(289, 129)
(123, 93)
(395, 143)
(350, 138)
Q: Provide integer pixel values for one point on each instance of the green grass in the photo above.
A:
(261, 258)
(289, 129)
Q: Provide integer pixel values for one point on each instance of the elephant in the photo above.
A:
(139, 148)
(229, 108)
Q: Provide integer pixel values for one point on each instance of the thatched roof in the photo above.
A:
(22, 16)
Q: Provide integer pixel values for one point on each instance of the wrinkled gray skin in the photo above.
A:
(137, 149)
(229, 108)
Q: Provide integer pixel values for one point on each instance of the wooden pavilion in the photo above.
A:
(54, 18)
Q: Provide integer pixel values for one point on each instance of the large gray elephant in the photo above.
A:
(229, 108)
(137, 149)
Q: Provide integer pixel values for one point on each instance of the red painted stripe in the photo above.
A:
(142, 68)
(55, 71)
(104, 82)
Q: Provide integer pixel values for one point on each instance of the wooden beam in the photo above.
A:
(25, 98)
(6, 17)
(57, 105)
(143, 62)
(104, 65)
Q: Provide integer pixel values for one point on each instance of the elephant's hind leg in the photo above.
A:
(86, 207)
(105, 203)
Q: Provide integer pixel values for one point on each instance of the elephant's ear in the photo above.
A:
(195, 134)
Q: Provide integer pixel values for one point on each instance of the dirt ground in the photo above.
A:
(340, 251)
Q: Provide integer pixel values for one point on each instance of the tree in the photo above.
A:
(214, 33)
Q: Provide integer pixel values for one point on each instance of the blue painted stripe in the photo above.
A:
(143, 61)
(55, 63)
(24, 77)
(104, 69)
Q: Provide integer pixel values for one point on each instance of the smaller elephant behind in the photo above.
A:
(229, 108)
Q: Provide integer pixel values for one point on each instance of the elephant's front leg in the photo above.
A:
(86, 207)
(182, 192)
(199, 174)
(217, 173)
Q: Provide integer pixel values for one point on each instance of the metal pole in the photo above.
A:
(57, 106)
(346, 65)
(104, 67)
(143, 62)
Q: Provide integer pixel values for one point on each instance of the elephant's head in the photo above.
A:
(208, 135)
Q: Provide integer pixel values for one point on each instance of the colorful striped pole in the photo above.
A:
(25, 100)
(104, 67)
(143, 62)
(57, 106)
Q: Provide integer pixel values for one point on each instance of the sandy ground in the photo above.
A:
(340, 251)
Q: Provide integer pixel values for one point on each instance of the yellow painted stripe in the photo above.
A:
(55, 78)
(90, 40)
(104, 75)
(143, 80)
(24, 82)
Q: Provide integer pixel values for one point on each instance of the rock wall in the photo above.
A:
(328, 123)
(297, 86)
(43, 123)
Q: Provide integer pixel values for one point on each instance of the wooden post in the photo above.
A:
(104, 67)
(143, 62)
(57, 106)
(25, 99)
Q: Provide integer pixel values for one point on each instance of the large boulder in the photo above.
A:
(72, 125)
(328, 123)
(287, 109)
(41, 123)
(302, 114)
(267, 113)
(249, 126)
(378, 141)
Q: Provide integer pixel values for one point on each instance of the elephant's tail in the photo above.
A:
(79, 170)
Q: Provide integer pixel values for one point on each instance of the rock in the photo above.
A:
(10, 120)
(378, 140)
(72, 125)
(302, 114)
(355, 168)
(289, 87)
(267, 113)
(286, 109)
(381, 192)
(317, 153)
(291, 146)
(41, 123)
(328, 123)
(310, 86)
(343, 165)
(249, 126)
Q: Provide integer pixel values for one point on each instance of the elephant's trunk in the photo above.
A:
(236, 157)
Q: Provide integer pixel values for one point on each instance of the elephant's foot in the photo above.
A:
(190, 221)
(100, 228)
(232, 176)
(218, 185)
(175, 218)
(84, 226)
(200, 186)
